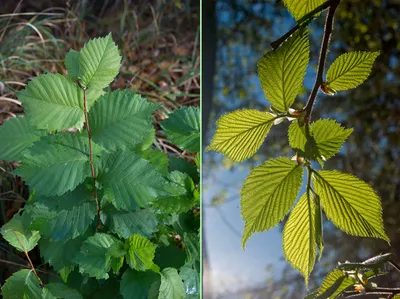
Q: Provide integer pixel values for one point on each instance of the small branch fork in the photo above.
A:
(99, 225)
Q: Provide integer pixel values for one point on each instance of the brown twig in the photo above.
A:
(99, 225)
(374, 291)
(29, 267)
(321, 61)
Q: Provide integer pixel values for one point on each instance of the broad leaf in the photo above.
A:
(99, 62)
(60, 290)
(350, 203)
(71, 62)
(121, 119)
(22, 284)
(300, 8)
(239, 134)
(191, 280)
(157, 158)
(125, 223)
(171, 285)
(350, 70)
(192, 245)
(178, 194)
(299, 236)
(63, 156)
(53, 102)
(333, 285)
(131, 181)
(17, 235)
(136, 284)
(183, 128)
(93, 259)
(17, 135)
(182, 165)
(140, 253)
(282, 71)
(268, 194)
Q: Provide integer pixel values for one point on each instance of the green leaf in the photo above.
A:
(53, 102)
(351, 204)
(22, 284)
(72, 64)
(350, 70)
(239, 134)
(299, 236)
(171, 285)
(131, 180)
(17, 135)
(191, 279)
(135, 284)
(61, 290)
(300, 8)
(99, 62)
(178, 195)
(333, 285)
(121, 119)
(16, 234)
(140, 253)
(282, 71)
(169, 257)
(125, 223)
(157, 158)
(327, 138)
(192, 245)
(183, 128)
(63, 156)
(92, 258)
(182, 165)
(268, 194)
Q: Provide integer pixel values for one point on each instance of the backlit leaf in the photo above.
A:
(350, 70)
(350, 203)
(300, 8)
(239, 134)
(282, 71)
(140, 253)
(268, 194)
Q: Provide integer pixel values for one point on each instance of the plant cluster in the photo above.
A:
(270, 191)
(113, 216)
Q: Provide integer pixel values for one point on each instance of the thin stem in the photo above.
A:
(28, 267)
(99, 225)
(322, 57)
(374, 291)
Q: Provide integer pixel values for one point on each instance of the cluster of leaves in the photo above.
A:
(111, 214)
(271, 190)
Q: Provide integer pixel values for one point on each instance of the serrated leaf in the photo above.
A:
(126, 223)
(184, 166)
(333, 285)
(140, 253)
(22, 284)
(350, 203)
(282, 71)
(63, 156)
(17, 135)
(350, 70)
(178, 194)
(239, 134)
(121, 119)
(171, 285)
(71, 62)
(61, 290)
(135, 284)
(116, 264)
(92, 258)
(131, 180)
(191, 279)
(299, 236)
(192, 245)
(268, 194)
(300, 8)
(183, 128)
(99, 62)
(16, 234)
(157, 158)
(53, 102)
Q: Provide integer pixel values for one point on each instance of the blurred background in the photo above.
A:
(236, 33)
(160, 49)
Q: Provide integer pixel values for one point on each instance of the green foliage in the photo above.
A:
(100, 199)
(271, 190)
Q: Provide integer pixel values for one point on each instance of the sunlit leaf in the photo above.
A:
(300, 8)
(140, 253)
(239, 134)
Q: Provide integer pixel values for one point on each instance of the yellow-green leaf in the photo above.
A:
(350, 203)
(299, 8)
(239, 134)
(299, 236)
(282, 71)
(350, 70)
(268, 194)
